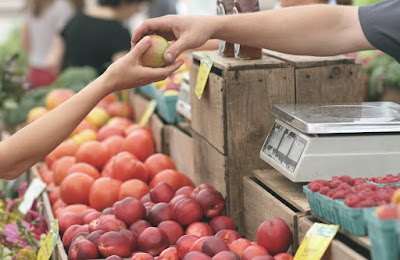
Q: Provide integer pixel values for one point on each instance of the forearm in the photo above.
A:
(46, 133)
(307, 30)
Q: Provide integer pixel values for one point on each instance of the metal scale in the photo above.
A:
(309, 141)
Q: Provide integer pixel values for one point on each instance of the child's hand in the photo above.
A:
(127, 73)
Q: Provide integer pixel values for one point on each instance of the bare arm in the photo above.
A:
(25, 36)
(308, 30)
(56, 55)
(32, 143)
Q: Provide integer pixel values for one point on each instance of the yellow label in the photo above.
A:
(316, 241)
(47, 247)
(202, 76)
(148, 113)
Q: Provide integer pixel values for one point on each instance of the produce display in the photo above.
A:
(114, 197)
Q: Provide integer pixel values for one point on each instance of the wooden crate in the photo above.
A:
(278, 198)
(179, 146)
(338, 250)
(231, 120)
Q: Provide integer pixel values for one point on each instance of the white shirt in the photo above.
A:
(42, 29)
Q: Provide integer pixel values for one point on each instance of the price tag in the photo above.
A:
(316, 241)
(202, 76)
(148, 113)
(49, 243)
(32, 192)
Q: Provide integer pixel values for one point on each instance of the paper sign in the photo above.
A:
(316, 241)
(148, 113)
(32, 192)
(202, 76)
(49, 243)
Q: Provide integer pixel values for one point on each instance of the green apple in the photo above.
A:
(154, 56)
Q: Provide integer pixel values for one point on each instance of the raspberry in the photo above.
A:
(366, 204)
(344, 186)
(335, 183)
(323, 182)
(340, 194)
(331, 193)
(324, 190)
(351, 200)
(358, 181)
(314, 186)
(346, 179)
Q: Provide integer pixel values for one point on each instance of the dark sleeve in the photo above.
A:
(122, 41)
(381, 26)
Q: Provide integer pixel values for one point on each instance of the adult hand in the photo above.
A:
(188, 32)
(127, 73)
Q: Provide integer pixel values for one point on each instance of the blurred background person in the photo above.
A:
(95, 37)
(43, 19)
(162, 7)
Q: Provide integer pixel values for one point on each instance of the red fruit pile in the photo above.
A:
(357, 193)
(390, 178)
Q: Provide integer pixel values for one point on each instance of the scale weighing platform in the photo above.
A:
(309, 141)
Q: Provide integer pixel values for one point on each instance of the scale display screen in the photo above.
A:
(284, 146)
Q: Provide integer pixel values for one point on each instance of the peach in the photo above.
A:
(274, 235)
(199, 229)
(108, 211)
(213, 245)
(252, 251)
(93, 153)
(160, 212)
(79, 236)
(139, 226)
(113, 145)
(112, 225)
(129, 210)
(186, 190)
(239, 245)
(94, 224)
(194, 255)
(211, 201)
(154, 55)
(187, 211)
(219, 223)
(159, 162)
(139, 144)
(114, 243)
(226, 255)
(83, 249)
(198, 244)
(57, 96)
(184, 244)
(146, 198)
(283, 256)
(169, 254)
(120, 122)
(201, 187)
(264, 257)
(108, 131)
(120, 109)
(95, 236)
(148, 205)
(162, 192)
(127, 167)
(153, 241)
(132, 237)
(68, 219)
(228, 235)
(71, 232)
(142, 256)
(178, 198)
(173, 230)
(86, 211)
(90, 217)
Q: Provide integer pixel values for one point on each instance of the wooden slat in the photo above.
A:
(208, 115)
(180, 149)
(260, 206)
(330, 84)
(250, 95)
(224, 63)
(336, 251)
(304, 61)
(209, 165)
(283, 187)
(157, 128)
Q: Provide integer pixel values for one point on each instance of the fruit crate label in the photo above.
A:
(316, 241)
(148, 113)
(34, 190)
(49, 243)
(202, 76)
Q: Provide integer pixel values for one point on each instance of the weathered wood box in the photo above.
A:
(233, 117)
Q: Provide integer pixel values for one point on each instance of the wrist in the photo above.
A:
(217, 25)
